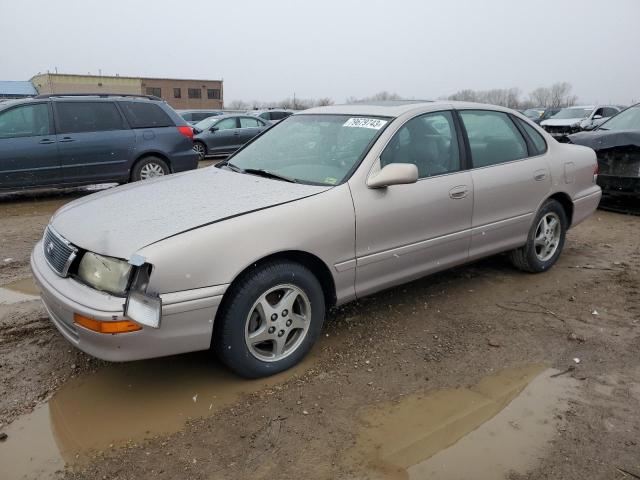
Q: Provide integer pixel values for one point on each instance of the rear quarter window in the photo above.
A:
(539, 145)
(145, 115)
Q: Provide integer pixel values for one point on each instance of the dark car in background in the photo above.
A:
(273, 115)
(70, 140)
(617, 146)
(194, 116)
(225, 134)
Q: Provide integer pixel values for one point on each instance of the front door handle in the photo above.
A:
(46, 141)
(459, 192)
(67, 139)
(539, 175)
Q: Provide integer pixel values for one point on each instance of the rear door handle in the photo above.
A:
(458, 192)
(46, 141)
(67, 139)
(539, 175)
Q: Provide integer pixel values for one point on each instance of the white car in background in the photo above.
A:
(575, 119)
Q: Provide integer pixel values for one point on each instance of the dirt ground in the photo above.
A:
(379, 357)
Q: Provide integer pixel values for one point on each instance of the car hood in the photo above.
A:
(602, 139)
(120, 221)
(562, 122)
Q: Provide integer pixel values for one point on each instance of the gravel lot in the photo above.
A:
(441, 358)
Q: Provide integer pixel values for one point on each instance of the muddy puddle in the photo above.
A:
(23, 290)
(123, 403)
(502, 424)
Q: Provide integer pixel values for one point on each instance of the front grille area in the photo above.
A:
(58, 252)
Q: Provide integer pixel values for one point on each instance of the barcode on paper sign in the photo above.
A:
(360, 122)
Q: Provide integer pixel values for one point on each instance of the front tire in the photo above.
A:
(270, 320)
(545, 240)
(149, 167)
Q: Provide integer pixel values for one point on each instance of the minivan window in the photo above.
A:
(78, 117)
(25, 121)
(493, 137)
(539, 145)
(429, 142)
(145, 115)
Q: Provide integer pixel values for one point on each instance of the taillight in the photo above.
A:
(186, 131)
(596, 171)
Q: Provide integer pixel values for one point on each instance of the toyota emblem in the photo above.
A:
(50, 248)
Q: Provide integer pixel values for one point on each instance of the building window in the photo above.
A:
(155, 91)
(177, 93)
(213, 93)
(195, 93)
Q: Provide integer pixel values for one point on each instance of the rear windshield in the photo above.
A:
(145, 115)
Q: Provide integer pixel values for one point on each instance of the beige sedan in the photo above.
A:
(327, 206)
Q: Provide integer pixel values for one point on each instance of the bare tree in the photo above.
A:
(377, 97)
(557, 95)
(237, 105)
(322, 102)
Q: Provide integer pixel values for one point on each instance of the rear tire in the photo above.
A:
(269, 320)
(545, 240)
(149, 167)
(200, 149)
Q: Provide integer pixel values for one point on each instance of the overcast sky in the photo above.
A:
(269, 49)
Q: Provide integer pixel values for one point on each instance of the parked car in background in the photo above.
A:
(548, 113)
(331, 205)
(225, 134)
(617, 145)
(66, 140)
(533, 114)
(273, 115)
(575, 119)
(194, 116)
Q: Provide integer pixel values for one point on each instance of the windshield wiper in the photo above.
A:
(268, 174)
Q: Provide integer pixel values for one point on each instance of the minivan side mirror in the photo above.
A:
(394, 174)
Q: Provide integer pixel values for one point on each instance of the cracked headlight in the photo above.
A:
(105, 273)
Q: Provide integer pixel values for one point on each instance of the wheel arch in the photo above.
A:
(151, 153)
(317, 266)
(567, 204)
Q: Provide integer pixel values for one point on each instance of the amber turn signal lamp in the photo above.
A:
(121, 326)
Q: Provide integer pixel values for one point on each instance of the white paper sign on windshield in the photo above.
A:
(361, 122)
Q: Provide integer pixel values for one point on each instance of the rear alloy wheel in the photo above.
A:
(545, 240)
(270, 319)
(200, 149)
(149, 167)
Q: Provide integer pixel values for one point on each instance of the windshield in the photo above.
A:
(626, 120)
(317, 149)
(567, 113)
(205, 124)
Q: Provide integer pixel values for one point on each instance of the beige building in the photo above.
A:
(179, 93)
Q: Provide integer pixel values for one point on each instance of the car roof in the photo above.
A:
(395, 108)
(199, 110)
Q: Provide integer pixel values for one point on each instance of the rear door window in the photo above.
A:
(493, 137)
(145, 115)
(25, 121)
(78, 117)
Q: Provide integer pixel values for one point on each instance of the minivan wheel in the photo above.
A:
(270, 319)
(149, 167)
(200, 149)
(545, 240)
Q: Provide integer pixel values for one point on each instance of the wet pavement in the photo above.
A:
(481, 432)
(120, 405)
(22, 290)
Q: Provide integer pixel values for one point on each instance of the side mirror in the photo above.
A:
(213, 129)
(394, 174)
(597, 117)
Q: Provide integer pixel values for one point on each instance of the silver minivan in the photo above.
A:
(327, 206)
